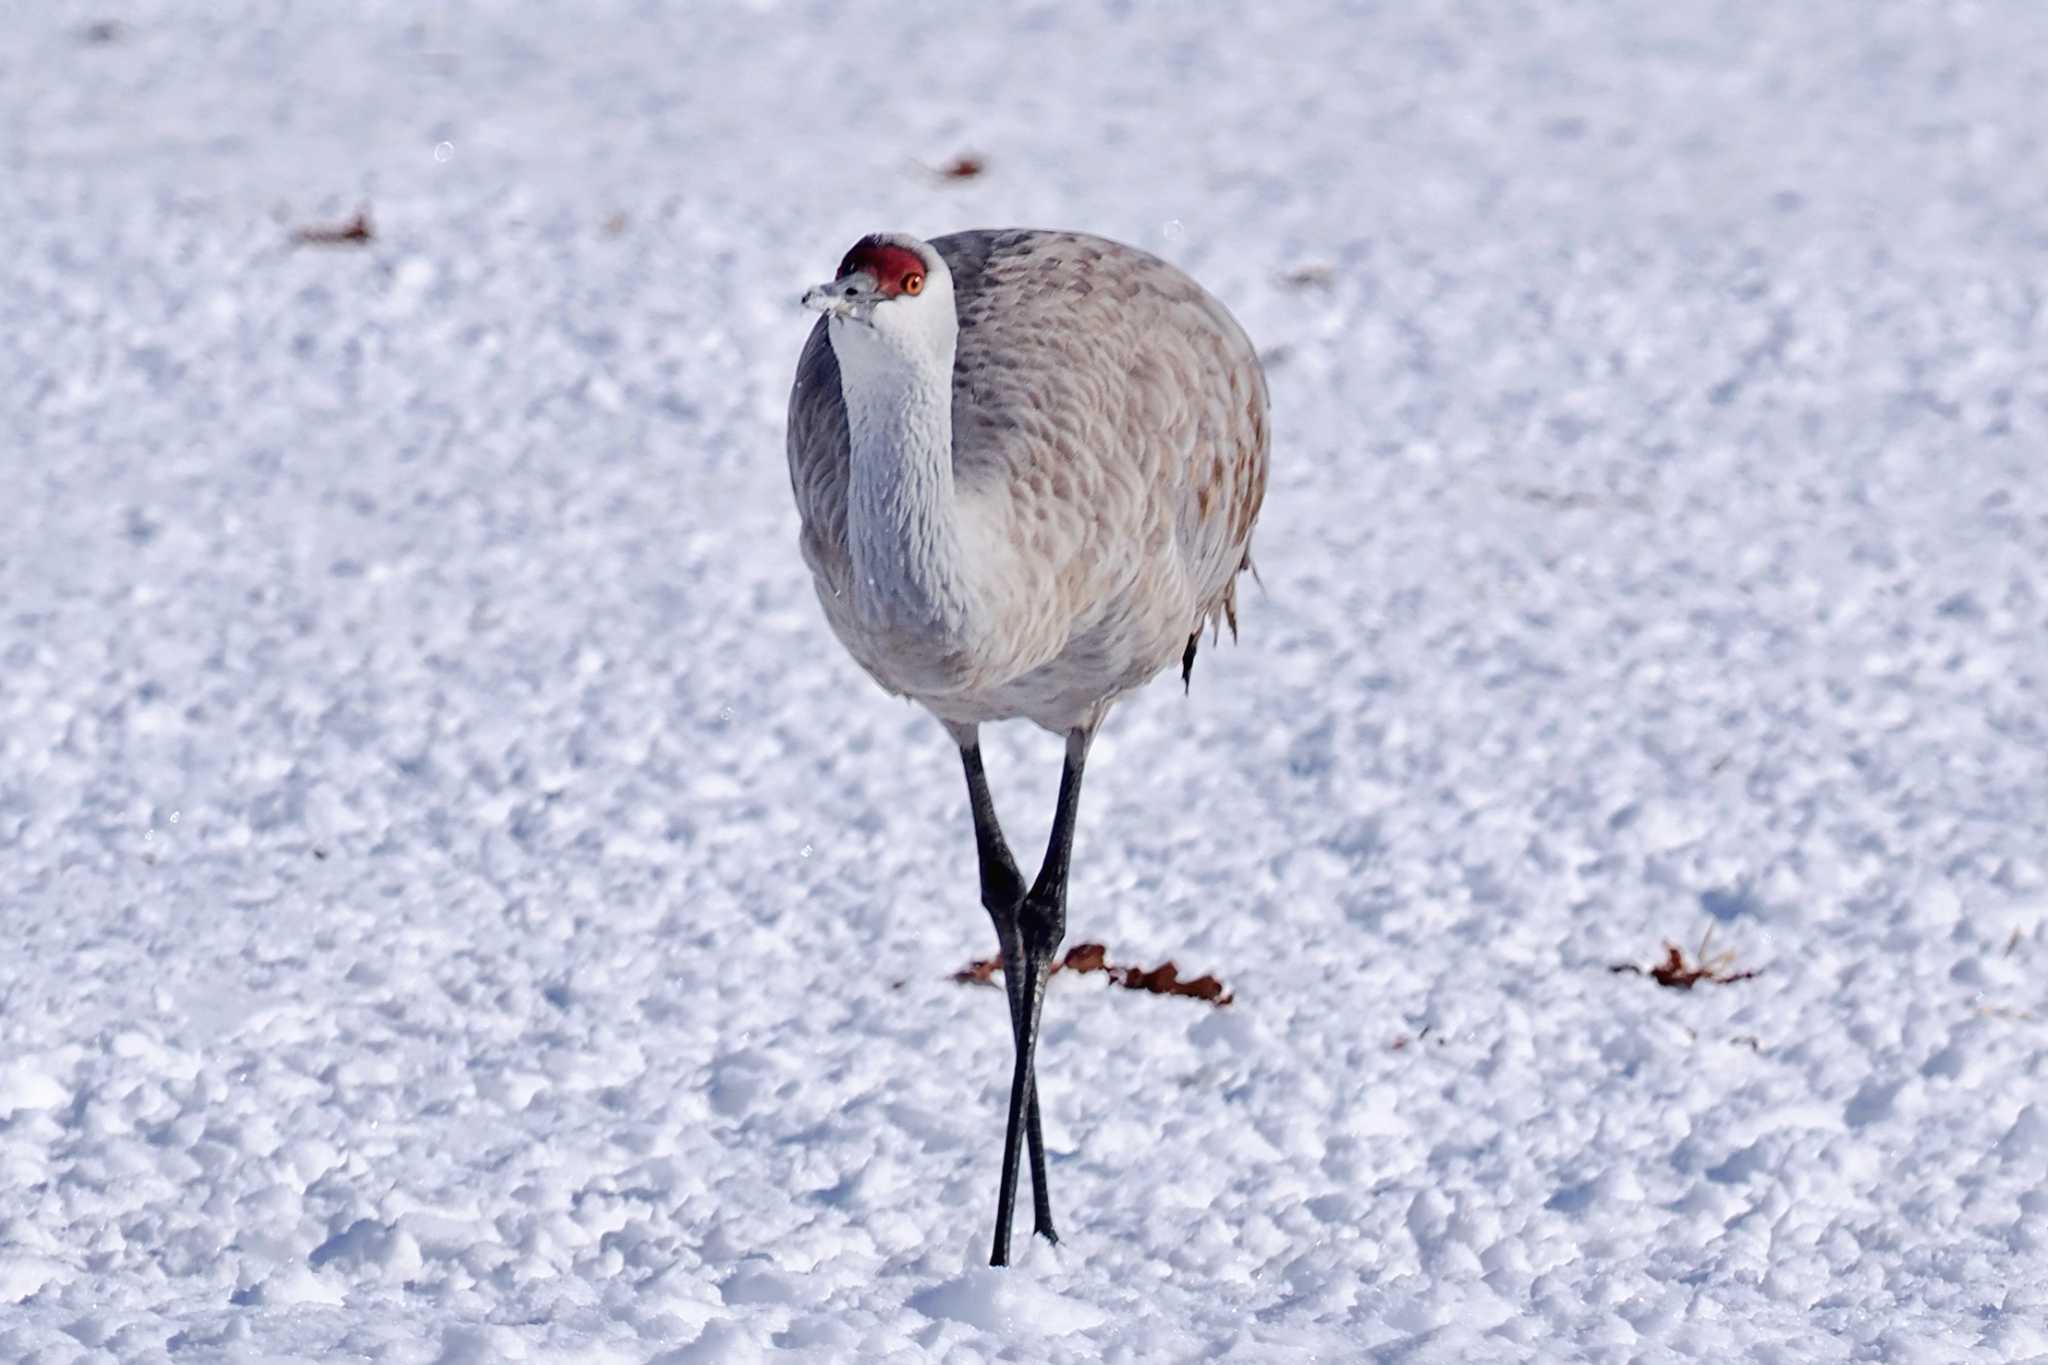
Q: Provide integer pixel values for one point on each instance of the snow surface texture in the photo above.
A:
(459, 905)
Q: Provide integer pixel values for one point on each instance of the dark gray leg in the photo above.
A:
(1002, 890)
(1041, 924)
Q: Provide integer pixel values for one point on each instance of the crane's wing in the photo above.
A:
(1118, 399)
(820, 455)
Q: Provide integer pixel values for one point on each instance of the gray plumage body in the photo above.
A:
(1108, 453)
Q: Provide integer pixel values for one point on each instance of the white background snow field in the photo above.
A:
(457, 903)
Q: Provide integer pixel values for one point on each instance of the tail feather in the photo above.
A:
(1223, 612)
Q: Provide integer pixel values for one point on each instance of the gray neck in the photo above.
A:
(904, 526)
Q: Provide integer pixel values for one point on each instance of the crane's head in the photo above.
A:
(892, 290)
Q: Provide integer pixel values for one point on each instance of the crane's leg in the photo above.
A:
(1002, 888)
(1041, 924)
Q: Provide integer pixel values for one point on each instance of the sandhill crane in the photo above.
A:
(1028, 465)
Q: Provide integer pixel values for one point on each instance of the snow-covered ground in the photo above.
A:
(457, 903)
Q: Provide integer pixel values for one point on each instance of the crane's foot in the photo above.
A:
(1002, 1258)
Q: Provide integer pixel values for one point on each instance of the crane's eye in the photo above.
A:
(913, 283)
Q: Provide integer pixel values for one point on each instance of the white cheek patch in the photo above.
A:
(919, 328)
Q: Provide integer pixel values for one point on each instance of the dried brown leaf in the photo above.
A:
(355, 232)
(1085, 957)
(1164, 979)
(1679, 974)
(982, 973)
